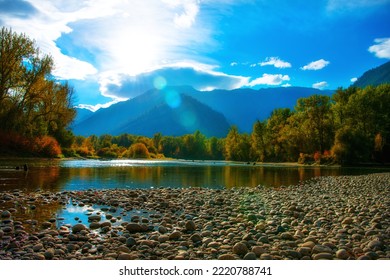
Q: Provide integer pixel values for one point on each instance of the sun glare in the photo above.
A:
(137, 50)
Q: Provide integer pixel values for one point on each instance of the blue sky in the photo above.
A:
(114, 50)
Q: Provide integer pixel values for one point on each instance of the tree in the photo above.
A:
(138, 150)
(275, 126)
(215, 148)
(363, 133)
(232, 144)
(317, 120)
(259, 141)
(32, 103)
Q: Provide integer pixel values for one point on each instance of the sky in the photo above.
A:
(111, 51)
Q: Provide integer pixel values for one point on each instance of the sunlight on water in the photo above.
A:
(138, 162)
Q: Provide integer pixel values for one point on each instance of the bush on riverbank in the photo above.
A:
(16, 144)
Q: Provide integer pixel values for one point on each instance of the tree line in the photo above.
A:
(353, 125)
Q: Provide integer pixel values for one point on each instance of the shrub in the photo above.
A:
(46, 146)
(138, 150)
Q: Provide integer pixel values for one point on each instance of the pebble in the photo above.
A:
(196, 238)
(321, 249)
(226, 257)
(130, 242)
(94, 225)
(134, 227)
(5, 214)
(126, 256)
(240, 249)
(250, 256)
(176, 235)
(375, 245)
(78, 228)
(94, 218)
(347, 221)
(190, 226)
(342, 254)
(239, 223)
(49, 254)
(258, 250)
(323, 256)
(162, 229)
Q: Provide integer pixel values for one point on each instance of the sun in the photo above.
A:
(137, 50)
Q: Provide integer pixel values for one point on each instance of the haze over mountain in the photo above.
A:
(182, 110)
(170, 112)
(374, 77)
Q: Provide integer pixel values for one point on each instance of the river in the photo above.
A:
(61, 175)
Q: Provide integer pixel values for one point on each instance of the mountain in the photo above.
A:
(169, 112)
(187, 118)
(82, 114)
(377, 76)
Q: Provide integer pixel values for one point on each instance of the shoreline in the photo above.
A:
(265, 164)
(345, 217)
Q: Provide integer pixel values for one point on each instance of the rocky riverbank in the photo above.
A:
(324, 218)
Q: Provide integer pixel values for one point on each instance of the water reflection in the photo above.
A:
(79, 175)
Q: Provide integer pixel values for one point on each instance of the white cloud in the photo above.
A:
(382, 48)
(276, 62)
(233, 64)
(316, 65)
(96, 107)
(124, 86)
(187, 18)
(111, 32)
(354, 80)
(269, 79)
(320, 85)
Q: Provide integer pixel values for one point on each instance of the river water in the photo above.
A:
(60, 175)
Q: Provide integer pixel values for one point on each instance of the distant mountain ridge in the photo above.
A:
(374, 77)
(169, 112)
(183, 110)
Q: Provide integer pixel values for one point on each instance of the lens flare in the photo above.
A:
(188, 119)
(160, 82)
(172, 98)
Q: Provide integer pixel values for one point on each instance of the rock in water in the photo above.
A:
(78, 227)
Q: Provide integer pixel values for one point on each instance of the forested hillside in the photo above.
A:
(374, 77)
